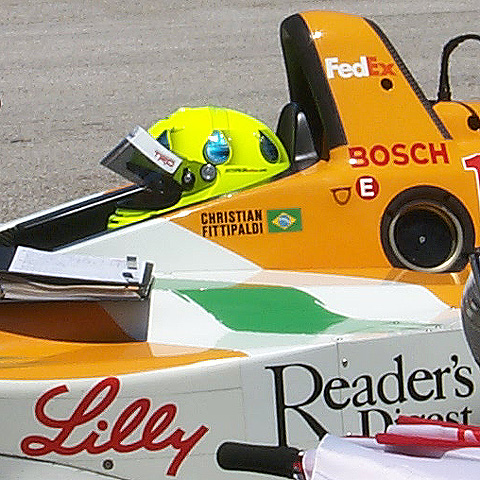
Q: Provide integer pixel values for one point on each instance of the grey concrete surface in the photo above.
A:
(76, 75)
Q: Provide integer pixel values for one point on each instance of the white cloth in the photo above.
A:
(364, 459)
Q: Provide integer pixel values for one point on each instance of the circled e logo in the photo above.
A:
(367, 187)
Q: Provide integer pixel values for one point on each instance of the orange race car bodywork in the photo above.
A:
(382, 144)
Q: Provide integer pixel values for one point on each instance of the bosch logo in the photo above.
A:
(365, 67)
(399, 154)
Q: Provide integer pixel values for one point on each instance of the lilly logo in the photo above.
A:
(365, 67)
(135, 428)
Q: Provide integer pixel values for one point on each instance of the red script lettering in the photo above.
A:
(399, 154)
(95, 402)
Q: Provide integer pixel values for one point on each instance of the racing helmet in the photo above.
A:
(221, 151)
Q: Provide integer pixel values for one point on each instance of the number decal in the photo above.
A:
(472, 162)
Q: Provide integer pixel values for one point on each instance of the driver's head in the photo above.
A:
(222, 150)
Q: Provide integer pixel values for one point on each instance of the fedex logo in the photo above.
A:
(365, 67)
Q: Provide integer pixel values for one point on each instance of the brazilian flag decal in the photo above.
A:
(284, 220)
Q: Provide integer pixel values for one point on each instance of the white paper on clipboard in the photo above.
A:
(77, 267)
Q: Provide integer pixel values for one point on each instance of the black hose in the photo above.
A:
(278, 461)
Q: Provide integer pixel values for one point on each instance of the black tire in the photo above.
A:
(427, 229)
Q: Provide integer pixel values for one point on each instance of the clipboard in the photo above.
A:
(28, 274)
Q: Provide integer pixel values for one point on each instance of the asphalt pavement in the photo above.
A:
(77, 75)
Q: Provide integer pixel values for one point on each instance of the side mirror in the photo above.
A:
(295, 134)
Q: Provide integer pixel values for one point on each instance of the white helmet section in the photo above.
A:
(171, 247)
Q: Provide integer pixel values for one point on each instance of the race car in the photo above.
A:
(235, 327)
(366, 172)
(366, 152)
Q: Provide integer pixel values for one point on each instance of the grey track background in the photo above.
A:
(77, 75)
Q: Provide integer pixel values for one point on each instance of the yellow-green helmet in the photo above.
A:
(222, 150)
